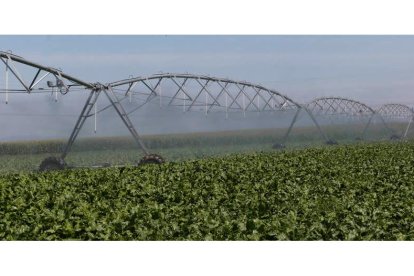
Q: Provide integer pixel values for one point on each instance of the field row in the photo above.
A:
(354, 192)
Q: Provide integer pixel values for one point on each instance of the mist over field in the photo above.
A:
(44, 118)
(371, 69)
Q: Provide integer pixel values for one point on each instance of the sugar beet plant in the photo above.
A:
(360, 192)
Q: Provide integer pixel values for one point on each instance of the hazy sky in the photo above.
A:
(372, 69)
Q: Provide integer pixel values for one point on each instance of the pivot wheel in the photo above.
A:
(52, 164)
(331, 142)
(151, 159)
(278, 146)
(395, 137)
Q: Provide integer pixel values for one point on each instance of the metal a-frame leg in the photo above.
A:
(121, 112)
(394, 136)
(408, 127)
(364, 132)
(86, 111)
(324, 136)
(285, 137)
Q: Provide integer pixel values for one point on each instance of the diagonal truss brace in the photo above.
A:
(393, 131)
(86, 111)
(180, 88)
(285, 137)
(203, 87)
(408, 127)
(14, 71)
(124, 117)
(364, 132)
(294, 120)
(228, 94)
(323, 134)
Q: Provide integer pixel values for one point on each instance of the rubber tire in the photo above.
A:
(331, 142)
(52, 163)
(151, 159)
(278, 146)
(395, 137)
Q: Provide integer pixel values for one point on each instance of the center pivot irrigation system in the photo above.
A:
(192, 93)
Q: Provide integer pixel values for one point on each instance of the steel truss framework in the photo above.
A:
(9, 60)
(397, 112)
(336, 106)
(186, 91)
(192, 93)
(210, 94)
(64, 84)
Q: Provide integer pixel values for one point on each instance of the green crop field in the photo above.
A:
(348, 192)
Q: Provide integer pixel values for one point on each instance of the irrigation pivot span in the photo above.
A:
(397, 112)
(191, 93)
(55, 80)
(212, 94)
(334, 106)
